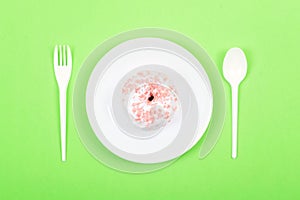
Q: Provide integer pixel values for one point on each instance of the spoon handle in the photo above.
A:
(234, 90)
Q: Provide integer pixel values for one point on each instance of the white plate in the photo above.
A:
(194, 91)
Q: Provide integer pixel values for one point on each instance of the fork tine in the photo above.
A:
(55, 56)
(60, 55)
(69, 56)
(64, 56)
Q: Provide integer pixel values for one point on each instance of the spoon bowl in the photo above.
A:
(235, 66)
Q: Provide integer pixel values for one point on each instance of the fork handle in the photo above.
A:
(62, 102)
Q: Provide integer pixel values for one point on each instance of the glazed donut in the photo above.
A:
(150, 103)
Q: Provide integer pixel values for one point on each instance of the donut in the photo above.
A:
(152, 104)
(151, 99)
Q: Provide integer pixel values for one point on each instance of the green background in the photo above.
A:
(268, 163)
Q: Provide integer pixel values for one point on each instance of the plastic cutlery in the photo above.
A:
(234, 70)
(62, 68)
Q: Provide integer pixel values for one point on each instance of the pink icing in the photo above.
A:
(150, 103)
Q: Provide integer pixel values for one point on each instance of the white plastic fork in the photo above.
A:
(62, 68)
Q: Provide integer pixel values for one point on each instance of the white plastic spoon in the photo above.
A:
(234, 70)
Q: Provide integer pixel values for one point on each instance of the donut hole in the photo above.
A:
(151, 97)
